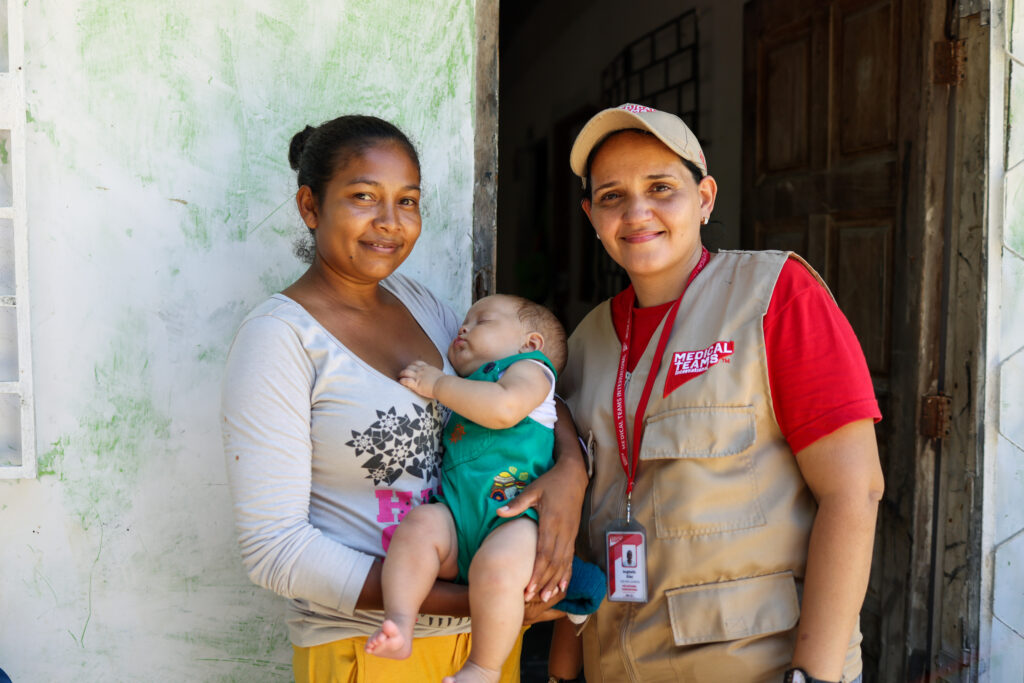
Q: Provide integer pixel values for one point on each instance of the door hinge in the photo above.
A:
(948, 59)
(936, 416)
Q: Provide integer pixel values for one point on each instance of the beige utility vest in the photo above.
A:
(727, 513)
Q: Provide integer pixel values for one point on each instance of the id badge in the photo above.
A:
(626, 548)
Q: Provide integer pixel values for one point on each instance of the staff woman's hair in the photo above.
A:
(316, 154)
(588, 191)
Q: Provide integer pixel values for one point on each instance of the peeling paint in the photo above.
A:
(51, 462)
(275, 281)
(119, 430)
(215, 355)
(254, 639)
(47, 128)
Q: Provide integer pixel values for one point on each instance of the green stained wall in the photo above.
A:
(160, 211)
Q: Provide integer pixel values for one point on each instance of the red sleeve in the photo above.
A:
(816, 369)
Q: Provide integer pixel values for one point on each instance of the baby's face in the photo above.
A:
(491, 331)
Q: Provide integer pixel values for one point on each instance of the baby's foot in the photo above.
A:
(474, 673)
(391, 640)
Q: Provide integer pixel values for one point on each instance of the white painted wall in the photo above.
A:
(159, 212)
(1003, 544)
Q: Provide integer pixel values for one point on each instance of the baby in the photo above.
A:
(498, 439)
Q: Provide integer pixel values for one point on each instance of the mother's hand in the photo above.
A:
(537, 611)
(557, 496)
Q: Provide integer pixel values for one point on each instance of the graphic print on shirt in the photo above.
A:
(458, 432)
(401, 443)
(393, 506)
(686, 365)
(508, 484)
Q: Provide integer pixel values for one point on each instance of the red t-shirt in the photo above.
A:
(816, 369)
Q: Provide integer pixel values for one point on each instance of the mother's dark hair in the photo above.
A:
(316, 154)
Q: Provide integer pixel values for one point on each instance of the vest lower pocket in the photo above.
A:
(702, 468)
(731, 610)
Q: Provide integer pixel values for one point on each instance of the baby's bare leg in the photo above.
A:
(497, 579)
(423, 548)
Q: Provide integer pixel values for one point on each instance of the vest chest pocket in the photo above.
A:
(702, 470)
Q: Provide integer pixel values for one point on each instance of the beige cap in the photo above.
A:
(668, 128)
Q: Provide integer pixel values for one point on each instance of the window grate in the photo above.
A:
(658, 69)
(17, 414)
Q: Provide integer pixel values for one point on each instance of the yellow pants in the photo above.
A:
(345, 661)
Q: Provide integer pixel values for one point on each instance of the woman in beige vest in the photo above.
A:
(755, 475)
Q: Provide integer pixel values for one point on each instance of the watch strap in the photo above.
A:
(798, 675)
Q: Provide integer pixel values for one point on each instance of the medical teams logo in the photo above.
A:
(689, 364)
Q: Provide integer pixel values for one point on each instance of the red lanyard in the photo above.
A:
(629, 464)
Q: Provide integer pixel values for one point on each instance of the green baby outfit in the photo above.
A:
(483, 469)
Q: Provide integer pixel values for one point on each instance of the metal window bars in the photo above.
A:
(17, 416)
(659, 69)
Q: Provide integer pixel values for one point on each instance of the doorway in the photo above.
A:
(562, 62)
(825, 138)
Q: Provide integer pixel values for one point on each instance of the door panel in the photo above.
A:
(830, 150)
(787, 82)
(860, 272)
(867, 49)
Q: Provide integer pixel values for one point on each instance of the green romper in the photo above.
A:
(483, 469)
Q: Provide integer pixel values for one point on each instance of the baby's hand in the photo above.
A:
(421, 378)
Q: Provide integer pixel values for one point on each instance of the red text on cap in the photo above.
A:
(636, 108)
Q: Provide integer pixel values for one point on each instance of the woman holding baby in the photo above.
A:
(327, 451)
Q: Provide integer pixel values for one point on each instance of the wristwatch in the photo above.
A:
(798, 675)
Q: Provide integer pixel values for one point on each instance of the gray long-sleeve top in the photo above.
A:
(324, 456)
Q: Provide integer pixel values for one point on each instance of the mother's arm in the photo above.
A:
(844, 474)
(445, 598)
(558, 497)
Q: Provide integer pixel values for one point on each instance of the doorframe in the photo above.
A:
(924, 139)
(959, 613)
(485, 149)
(998, 56)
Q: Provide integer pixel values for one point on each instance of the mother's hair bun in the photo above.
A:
(298, 143)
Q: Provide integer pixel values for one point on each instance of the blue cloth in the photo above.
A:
(586, 589)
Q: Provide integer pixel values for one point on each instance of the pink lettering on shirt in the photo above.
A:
(387, 504)
(387, 507)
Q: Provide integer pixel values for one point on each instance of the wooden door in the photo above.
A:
(836, 169)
